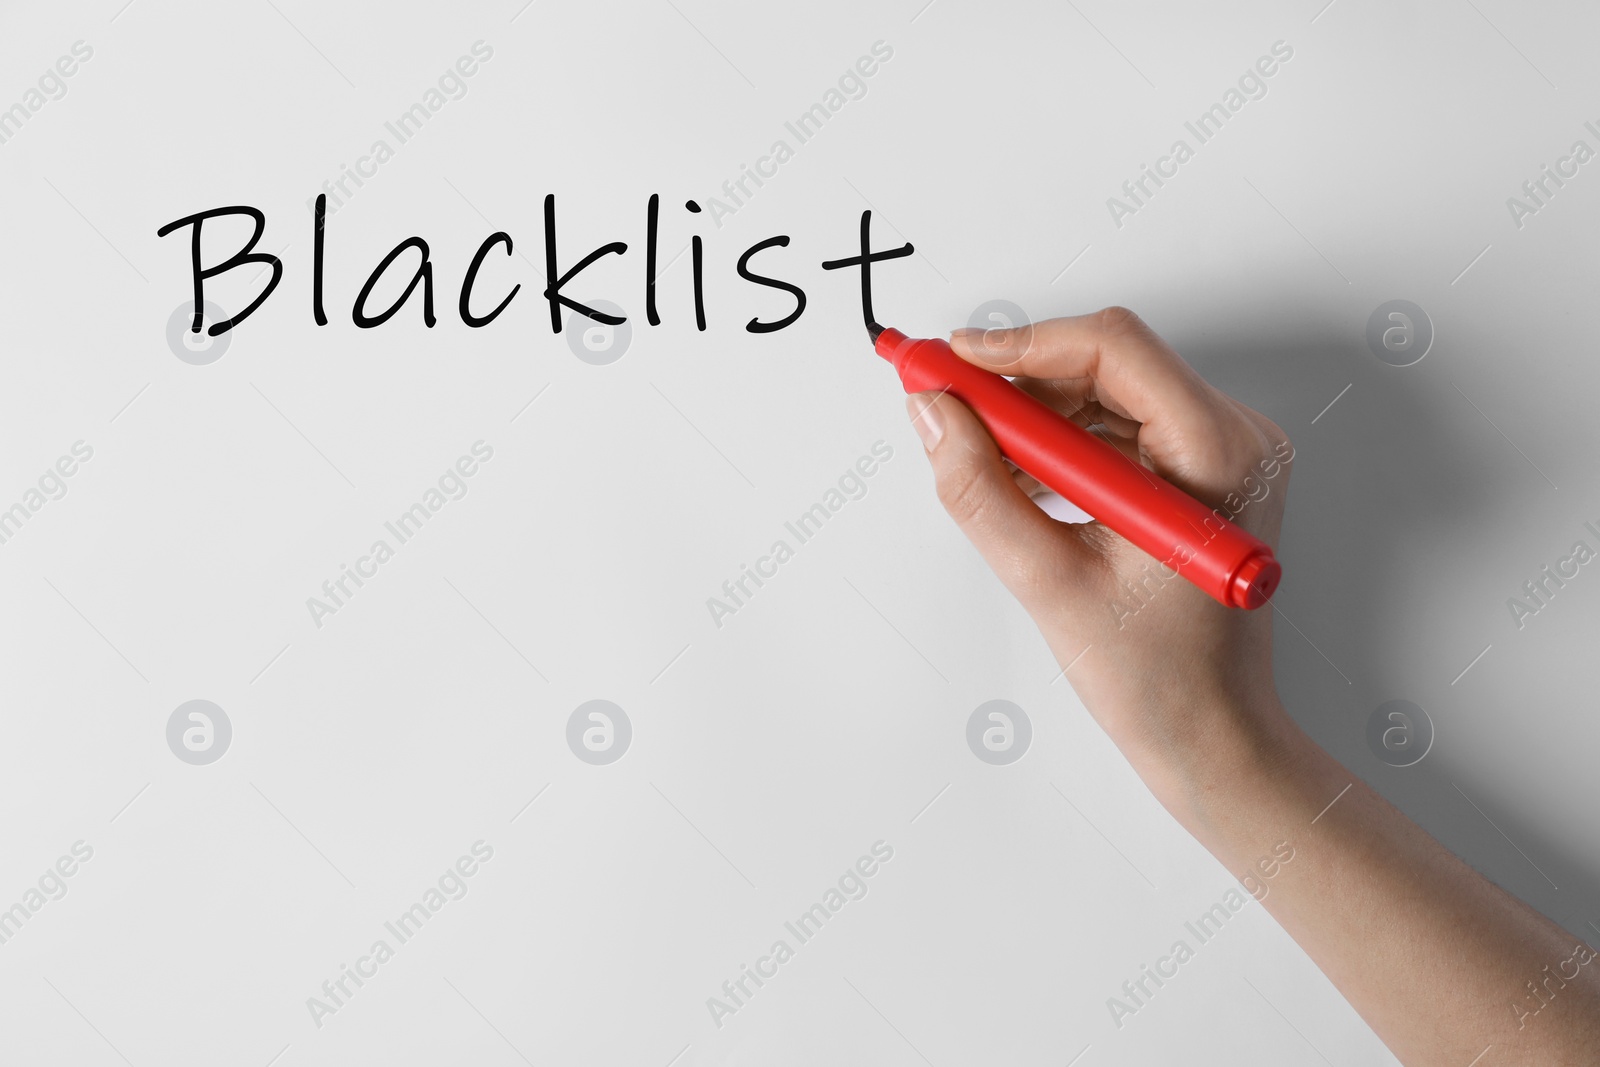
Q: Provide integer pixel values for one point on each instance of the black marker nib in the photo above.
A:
(874, 331)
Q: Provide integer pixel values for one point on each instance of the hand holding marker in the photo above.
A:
(1233, 566)
(1186, 691)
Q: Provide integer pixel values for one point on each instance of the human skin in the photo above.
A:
(1434, 957)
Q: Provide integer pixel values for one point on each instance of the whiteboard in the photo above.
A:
(585, 496)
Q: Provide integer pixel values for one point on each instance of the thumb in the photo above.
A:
(1040, 560)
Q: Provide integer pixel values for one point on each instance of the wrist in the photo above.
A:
(1215, 754)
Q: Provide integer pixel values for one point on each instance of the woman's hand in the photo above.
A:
(1154, 659)
(1440, 962)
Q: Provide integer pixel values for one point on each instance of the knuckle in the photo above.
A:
(965, 493)
(1270, 438)
(1278, 440)
(1280, 443)
(1117, 319)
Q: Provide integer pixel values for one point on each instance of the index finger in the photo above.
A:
(1133, 368)
(1194, 435)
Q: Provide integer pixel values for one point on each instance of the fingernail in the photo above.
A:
(990, 345)
(926, 419)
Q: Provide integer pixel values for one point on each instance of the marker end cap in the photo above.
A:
(1255, 582)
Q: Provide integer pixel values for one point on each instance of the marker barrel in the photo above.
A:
(1232, 565)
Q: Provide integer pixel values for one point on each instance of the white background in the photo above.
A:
(767, 755)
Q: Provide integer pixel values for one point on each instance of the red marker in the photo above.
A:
(1231, 565)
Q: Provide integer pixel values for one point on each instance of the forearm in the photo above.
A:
(1435, 958)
